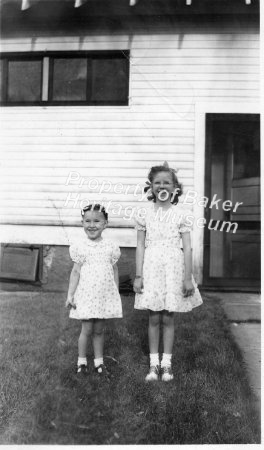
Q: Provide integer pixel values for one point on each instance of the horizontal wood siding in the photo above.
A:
(169, 73)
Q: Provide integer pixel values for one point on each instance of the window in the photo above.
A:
(69, 79)
(24, 81)
(73, 78)
(104, 72)
(246, 152)
(1, 79)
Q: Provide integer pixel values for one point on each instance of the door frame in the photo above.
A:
(201, 109)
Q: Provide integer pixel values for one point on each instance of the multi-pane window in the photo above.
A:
(69, 79)
(88, 78)
(24, 80)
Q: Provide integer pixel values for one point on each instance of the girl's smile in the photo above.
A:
(94, 224)
(163, 195)
(163, 186)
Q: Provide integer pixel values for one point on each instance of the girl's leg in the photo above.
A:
(86, 331)
(154, 331)
(98, 338)
(168, 338)
(98, 342)
(153, 335)
(168, 331)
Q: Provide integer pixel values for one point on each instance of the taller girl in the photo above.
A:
(164, 283)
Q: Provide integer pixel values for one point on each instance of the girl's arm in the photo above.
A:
(116, 277)
(188, 287)
(140, 251)
(74, 280)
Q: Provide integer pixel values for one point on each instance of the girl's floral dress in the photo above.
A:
(163, 268)
(96, 296)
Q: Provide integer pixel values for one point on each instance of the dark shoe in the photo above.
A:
(102, 370)
(166, 373)
(82, 369)
(153, 374)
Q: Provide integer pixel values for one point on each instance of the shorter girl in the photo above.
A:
(164, 282)
(93, 289)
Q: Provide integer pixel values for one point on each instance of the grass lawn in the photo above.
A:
(44, 402)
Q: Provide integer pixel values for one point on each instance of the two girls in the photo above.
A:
(163, 282)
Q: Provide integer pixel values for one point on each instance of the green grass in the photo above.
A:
(44, 402)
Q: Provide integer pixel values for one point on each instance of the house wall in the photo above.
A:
(170, 73)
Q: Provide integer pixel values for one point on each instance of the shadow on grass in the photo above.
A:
(45, 402)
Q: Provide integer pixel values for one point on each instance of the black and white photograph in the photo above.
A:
(130, 261)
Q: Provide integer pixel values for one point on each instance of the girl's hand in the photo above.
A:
(70, 303)
(188, 288)
(138, 285)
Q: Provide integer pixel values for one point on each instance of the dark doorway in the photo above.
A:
(232, 172)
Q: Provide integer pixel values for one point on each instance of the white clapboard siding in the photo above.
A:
(93, 133)
(116, 210)
(34, 118)
(54, 158)
(94, 125)
(55, 208)
(172, 85)
(15, 230)
(176, 54)
(194, 77)
(92, 172)
(56, 220)
(52, 189)
(149, 50)
(189, 69)
(193, 60)
(62, 206)
(29, 157)
(29, 164)
(212, 97)
(41, 197)
(47, 202)
(72, 191)
(76, 112)
(128, 152)
(106, 140)
(138, 41)
(152, 90)
(148, 47)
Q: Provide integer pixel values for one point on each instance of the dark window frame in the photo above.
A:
(89, 55)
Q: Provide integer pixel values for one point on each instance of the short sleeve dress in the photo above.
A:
(163, 268)
(96, 296)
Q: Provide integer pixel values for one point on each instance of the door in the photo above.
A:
(232, 173)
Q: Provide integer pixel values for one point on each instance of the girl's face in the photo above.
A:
(94, 223)
(163, 186)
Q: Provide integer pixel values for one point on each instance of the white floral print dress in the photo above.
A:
(96, 296)
(163, 268)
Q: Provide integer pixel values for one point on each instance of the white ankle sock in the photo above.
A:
(154, 359)
(166, 360)
(82, 361)
(98, 361)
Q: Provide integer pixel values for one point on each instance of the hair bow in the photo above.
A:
(166, 164)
